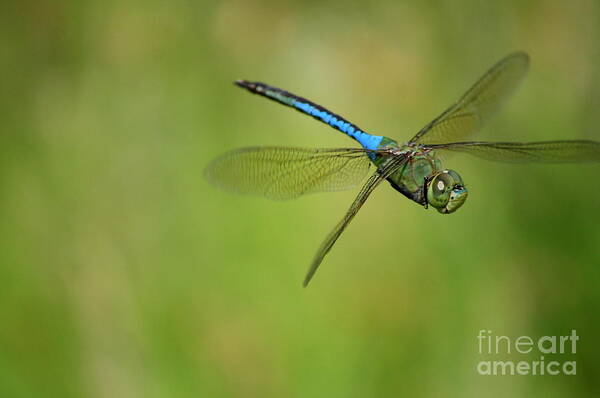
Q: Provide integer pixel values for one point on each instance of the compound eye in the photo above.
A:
(441, 184)
(457, 181)
(438, 193)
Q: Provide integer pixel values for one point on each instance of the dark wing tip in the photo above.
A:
(309, 274)
(314, 267)
(522, 55)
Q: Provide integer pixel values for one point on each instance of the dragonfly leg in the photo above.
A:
(424, 190)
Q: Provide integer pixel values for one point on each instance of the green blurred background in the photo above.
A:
(124, 274)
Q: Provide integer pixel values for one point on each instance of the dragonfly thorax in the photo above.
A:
(423, 180)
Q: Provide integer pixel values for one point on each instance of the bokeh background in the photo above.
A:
(124, 274)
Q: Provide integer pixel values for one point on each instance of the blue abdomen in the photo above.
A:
(368, 141)
(303, 105)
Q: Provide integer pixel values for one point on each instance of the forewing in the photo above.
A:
(380, 175)
(543, 151)
(478, 104)
(285, 173)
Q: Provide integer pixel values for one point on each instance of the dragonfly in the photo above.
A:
(413, 168)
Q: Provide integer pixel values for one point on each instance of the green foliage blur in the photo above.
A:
(124, 274)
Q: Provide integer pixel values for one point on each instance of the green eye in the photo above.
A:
(438, 193)
(446, 191)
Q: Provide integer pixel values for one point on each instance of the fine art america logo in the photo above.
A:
(546, 352)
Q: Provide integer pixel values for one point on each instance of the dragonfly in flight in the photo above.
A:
(413, 168)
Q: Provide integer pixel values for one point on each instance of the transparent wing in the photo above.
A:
(544, 151)
(286, 173)
(380, 175)
(478, 104)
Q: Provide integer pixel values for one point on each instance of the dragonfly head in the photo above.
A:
(446, 191)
